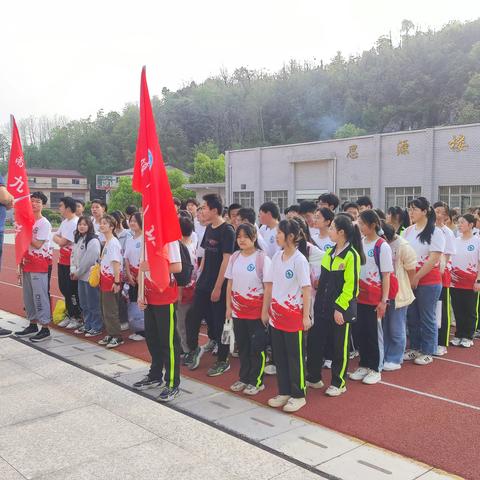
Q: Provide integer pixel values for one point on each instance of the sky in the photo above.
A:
(74, 58)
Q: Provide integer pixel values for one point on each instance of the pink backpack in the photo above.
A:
(259, 262)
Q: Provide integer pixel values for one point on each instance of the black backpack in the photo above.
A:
(185, 276)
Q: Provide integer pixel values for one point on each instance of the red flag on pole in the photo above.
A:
(160, 220)
(17, 185)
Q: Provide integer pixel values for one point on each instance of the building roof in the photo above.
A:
(51, 172)
(129, 171)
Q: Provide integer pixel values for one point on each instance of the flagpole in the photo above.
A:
(141, 273)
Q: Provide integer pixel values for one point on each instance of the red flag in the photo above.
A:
(17, 185)
(160, 220)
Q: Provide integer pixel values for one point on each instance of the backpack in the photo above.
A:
(259, 262)
(184, 277)
(392, 293)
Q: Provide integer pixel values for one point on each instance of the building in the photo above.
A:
(202, 189)
(56, 184)
(441, 163)
(129, 171)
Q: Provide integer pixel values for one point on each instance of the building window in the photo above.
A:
(353, 194)
(34, 180)
(460, 196)
(75, 181)
(280, 197)
(54, 183)
(245, 199)
(55, 199)
(400, 196)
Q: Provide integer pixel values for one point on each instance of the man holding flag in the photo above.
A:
(162, 254)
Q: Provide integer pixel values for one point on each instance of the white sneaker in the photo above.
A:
(294, 404)
(411, 355)
(455, 341)
(253, 390)
(278, 401)
(441, 351)
(423, 360)
(390, 366)
(372, 377)
(359, 374)
(466, 343)
(64, 322)
(318, 384)
(271, 370)
(238, 386)
(136, 337)
(327, 364)
(124, 326)
(335, 391)
(74, 324)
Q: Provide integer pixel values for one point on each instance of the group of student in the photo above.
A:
(308, 291)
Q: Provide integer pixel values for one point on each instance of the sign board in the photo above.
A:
(106, 182)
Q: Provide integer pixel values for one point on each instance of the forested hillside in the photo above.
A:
(429, 78)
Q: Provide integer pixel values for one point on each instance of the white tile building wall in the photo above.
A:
(378, 162)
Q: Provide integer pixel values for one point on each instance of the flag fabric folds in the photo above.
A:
(160, 220)
(17, 185)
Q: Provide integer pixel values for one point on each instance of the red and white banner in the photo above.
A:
(160, 220)
(17, 185)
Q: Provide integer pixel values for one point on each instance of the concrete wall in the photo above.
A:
(376, 162)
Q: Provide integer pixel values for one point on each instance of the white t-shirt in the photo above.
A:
(323, 243)
(449, 240)
(67, 231)
(288, 277)
(247, 288)
(96, 227)
(133, 252)
(437, 244)
(200, 232)
(370, 282)
(314, 232)
(465, 262)
(112, 252)
(270, 237)
(39, 259)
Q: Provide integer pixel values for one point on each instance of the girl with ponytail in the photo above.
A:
(428, 241)
(286, 307)
(335, 305)
(373, 298)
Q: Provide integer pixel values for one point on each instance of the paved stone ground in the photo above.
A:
(58, 421)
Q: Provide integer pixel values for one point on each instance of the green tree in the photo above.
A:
(208, 170)
(123, 196)
(349, 130)
(177, 181)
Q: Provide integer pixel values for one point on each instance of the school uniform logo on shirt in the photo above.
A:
(272, 239)
(471, 248)
(370, 253)
(289, 274)
(138, 245)
(251, 267)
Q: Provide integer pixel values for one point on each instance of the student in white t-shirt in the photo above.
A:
(428, 241)
(247, 215)
(323, 219)
(65, 238)
(465, 282)
(244, 305)
(307, 212)
(132, 256)
(286, 307)
(98, 208)
(372, 299)
(269, 216)
(110, 284)
(442, 213)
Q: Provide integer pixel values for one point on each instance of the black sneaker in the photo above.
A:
(146, 382)
(196, 356)
(218, 369)
(43, 334)
(187, 358)
(5, 333)
(29, 331)
(168, 394)
(115, 342)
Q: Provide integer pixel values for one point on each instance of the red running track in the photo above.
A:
(431, 413)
